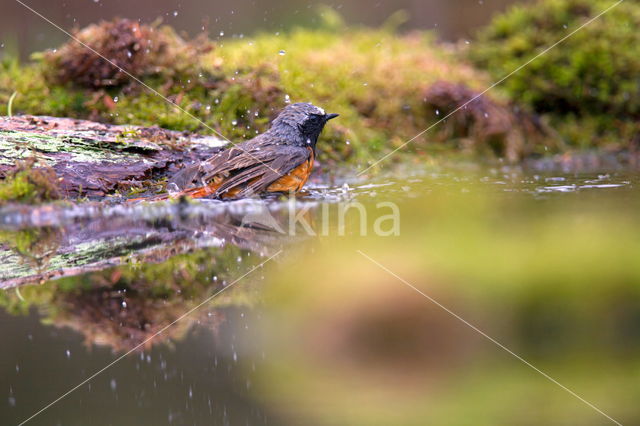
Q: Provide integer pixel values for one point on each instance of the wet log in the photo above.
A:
(95, 159)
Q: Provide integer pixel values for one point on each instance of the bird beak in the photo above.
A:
(330, 116)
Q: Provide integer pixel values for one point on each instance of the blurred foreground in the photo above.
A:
(556, 281)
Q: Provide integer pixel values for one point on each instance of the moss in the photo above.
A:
(28, 184)
(35, 93)
(590, 79)
(376, 79)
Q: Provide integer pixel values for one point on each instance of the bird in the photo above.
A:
(279, 160)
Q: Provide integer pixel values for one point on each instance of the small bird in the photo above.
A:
(279, 160)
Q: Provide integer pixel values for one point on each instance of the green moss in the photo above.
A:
(35, 94)
(16, 188)
(27, 184)
(590, 79)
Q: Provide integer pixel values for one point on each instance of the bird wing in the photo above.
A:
(247, 170)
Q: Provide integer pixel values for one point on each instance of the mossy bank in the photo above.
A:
(380, 82)
(587, 86)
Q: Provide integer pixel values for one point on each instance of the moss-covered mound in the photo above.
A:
(130, 49)
(380, 83)
(589, 83)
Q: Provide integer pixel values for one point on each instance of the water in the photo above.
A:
(86, 285)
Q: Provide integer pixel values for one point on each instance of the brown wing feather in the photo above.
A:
(240, 171)
(256, 178)
(217, 166)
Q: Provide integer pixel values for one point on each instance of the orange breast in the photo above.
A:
(206, 191)
(295, 179)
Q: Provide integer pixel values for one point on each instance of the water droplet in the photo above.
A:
(282, 53)
(115, 99)
(113, 384)
(175, 13)
(221, 33)
(68, 353)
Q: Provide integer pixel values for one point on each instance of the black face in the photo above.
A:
(313, 125)
(299, 124)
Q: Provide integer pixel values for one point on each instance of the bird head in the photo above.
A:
(302, 123)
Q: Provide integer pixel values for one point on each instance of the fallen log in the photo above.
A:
(96, 159)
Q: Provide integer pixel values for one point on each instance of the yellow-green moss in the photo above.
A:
(28, 184)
